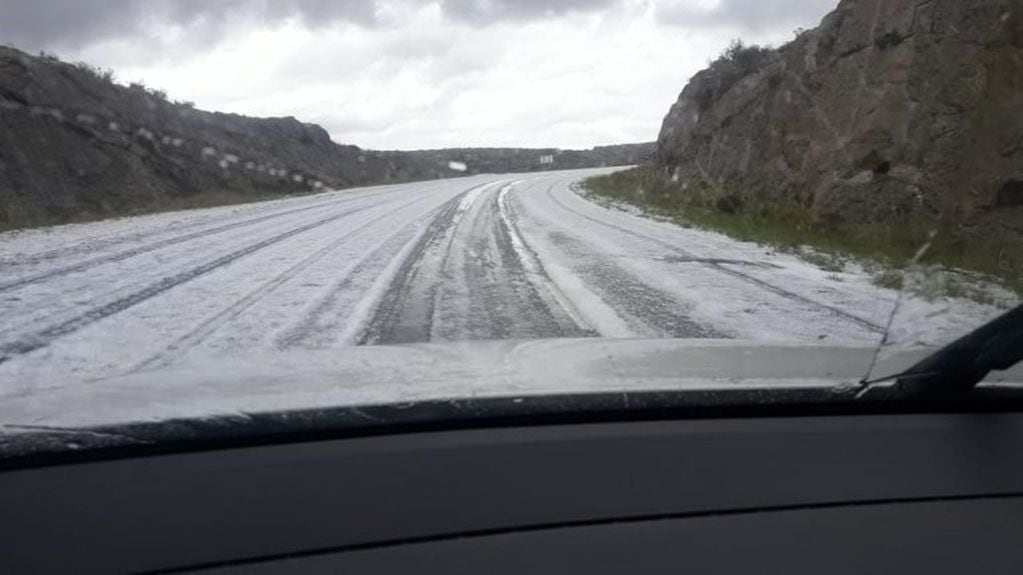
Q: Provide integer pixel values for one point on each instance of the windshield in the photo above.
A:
(238, 208)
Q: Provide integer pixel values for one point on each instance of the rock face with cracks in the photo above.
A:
(890, 110)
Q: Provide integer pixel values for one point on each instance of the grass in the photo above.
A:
(884, 250)
(891, 279)
(829, 262)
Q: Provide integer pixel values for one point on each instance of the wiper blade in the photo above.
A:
(957, 368)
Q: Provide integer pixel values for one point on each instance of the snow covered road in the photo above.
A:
(518, 256)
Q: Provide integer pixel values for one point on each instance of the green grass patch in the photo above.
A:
(883, 250)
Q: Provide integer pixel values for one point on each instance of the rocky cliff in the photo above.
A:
(75, 145)
(890, 110)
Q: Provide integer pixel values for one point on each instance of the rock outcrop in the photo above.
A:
(889, 111)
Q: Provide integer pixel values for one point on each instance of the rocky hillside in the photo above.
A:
(76, 145)
(890, 111)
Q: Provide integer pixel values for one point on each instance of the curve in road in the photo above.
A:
(485, 257)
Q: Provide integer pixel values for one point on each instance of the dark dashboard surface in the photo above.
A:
(800, 494)
(975, 536)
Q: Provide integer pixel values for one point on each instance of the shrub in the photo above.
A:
(828, 262)
(891, 279)
(746, 59)
(140, 86)
(729, 203)
(735, 63)
(104, 74)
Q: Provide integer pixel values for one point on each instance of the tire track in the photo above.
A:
(209, 326)
(43, 337)
(720, 267)
(390, 322)
(128, 236)
(130, 253)
(515, 277)
(643, 307)
(313, 330)
(534, 269)
(470, 277)
(254, 209)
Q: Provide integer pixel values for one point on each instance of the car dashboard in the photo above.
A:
(838, 493)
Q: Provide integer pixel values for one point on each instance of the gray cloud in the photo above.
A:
(72, 24)
(748, 15)
(44, 24)
(491, 11)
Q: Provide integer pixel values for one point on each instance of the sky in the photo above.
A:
(407, 74)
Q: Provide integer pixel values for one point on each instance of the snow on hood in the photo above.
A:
(357, 376)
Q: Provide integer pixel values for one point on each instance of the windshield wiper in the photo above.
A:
(957, 368)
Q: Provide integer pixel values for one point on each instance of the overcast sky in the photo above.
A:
(405, 74)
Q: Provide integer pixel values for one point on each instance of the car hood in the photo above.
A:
(218, 397)
(354, 376)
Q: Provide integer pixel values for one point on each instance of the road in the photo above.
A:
(485, 257)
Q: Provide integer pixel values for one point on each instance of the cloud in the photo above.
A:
(420, 80)
(55, 24)
(500, 11)
(756, 16)
(408, 74)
